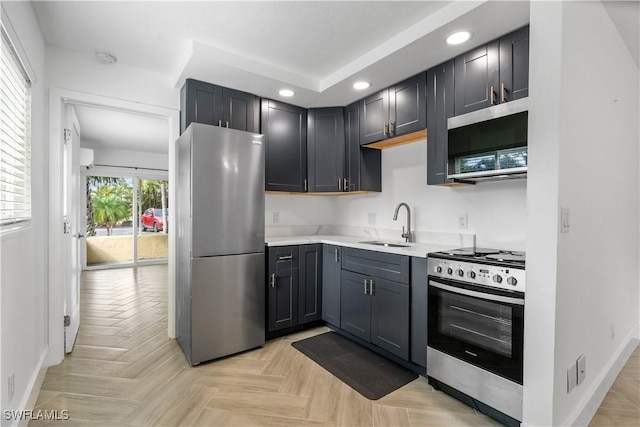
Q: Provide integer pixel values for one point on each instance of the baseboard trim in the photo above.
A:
(36, 384)
(593, 399)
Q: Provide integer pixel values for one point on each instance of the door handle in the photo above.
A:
(273, 280)
(366, 286)
(503, 93)
(492, 96)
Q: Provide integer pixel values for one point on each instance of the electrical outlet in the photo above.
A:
(572, 377)
(582, 368)
(372, 218)
(276, 217)
(463, 220)
(12, 385)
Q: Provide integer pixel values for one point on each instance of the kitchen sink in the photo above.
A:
(387, 244)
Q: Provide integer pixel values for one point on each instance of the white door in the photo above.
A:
(73, 231)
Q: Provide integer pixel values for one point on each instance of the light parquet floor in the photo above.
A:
(125, 371)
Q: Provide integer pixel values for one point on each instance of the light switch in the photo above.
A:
(582, 368)
(564, 220)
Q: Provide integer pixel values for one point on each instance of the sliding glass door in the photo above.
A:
(126, 221)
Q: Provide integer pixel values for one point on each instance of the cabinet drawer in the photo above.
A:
(283, 257)
(377, 264)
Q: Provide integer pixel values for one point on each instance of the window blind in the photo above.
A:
(15, 137)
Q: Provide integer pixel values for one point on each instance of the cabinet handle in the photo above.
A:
(305, 185)
(285, 258)
(220, 123)
(366, 287)
(346, 186)
(227, 125)
(392, 127)
(492, 96)
(273, 280)
(337, 254)
(372, 287)
(385, 129)
(503, 93)
(339, 184)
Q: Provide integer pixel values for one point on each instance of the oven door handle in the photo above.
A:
(475, 294)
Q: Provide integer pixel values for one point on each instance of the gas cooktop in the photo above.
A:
(484, 256)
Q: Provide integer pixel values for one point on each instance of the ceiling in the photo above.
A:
(102, 128)
(316, 48)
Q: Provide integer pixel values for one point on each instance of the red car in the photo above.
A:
(152, 218)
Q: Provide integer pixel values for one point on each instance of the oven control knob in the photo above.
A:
(460, 272)
(439, 269)
(497, 278)
(471, 274)
(449, 270)
(512, 281)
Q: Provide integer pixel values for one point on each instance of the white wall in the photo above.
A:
(23, 255)
(583, 286)
(597, 289)
(299, 214)
(130, 158)
(496, 210)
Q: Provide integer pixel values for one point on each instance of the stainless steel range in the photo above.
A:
(475, 330)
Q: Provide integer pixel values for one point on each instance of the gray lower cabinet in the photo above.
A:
(331, 284)
(375, 298)
(294, 286)
(419, 293)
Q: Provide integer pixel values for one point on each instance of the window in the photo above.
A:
(15, 137)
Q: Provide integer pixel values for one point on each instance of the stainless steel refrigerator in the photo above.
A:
(220, 242)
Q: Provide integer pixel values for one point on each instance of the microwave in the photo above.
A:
(489, 144)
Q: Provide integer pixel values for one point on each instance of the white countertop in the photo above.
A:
(413, 249)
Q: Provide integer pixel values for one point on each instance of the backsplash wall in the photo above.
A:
(496, 210)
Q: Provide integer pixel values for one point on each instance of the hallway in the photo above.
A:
(125, 371)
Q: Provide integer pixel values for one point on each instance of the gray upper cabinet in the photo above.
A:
(205, 103)
(477, 78)
(326, 149)
(285, 130)
(363, 165)
(439, 110)
(492, 74)
(514, 65)
(396, 111)
(331, 284)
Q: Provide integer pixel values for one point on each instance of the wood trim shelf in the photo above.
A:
(399, 140)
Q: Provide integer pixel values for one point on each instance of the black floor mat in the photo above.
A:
(369, 374)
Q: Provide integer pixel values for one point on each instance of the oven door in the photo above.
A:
(479, 325)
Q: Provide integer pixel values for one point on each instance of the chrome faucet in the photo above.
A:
(406, 235)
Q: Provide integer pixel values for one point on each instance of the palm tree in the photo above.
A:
(108, 210)
(93, 182)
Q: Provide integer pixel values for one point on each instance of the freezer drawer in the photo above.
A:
(227, 305)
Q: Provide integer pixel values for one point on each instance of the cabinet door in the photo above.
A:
(476, 79)
(377, 264)
(241, 110)
(419, 294)
(285, 129)
(390, 317)
(310, 288)
(325, 149)
(407, 106)
(364, 165)
(282, 298)
(439, 110)
(355, 305)
(331, 284)
(374, 117)
(200, 102)
(514, 65)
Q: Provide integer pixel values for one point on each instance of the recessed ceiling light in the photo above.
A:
(106, 58)
(286, 92)
(361, 85)
(459, 37)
